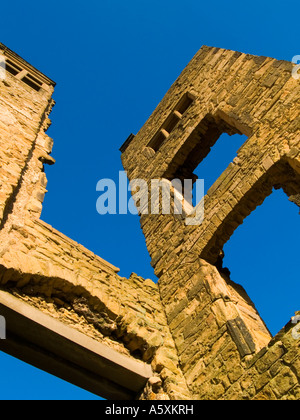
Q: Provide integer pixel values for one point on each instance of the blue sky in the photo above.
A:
(113, 61)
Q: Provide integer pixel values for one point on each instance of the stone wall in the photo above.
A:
(220, 355)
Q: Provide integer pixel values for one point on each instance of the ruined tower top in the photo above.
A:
(220, 91)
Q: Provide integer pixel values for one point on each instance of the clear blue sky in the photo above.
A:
(113, 61)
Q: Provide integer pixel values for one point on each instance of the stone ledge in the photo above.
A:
(50, 345)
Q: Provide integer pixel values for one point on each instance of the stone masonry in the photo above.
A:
(198, 331)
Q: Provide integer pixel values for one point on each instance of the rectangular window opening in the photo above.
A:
(30, 81)
(157, 141)
(29, 76)
(171, 121)
(12, 68)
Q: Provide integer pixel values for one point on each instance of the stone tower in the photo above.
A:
(196, 334)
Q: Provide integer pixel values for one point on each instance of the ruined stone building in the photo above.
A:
(195, 335)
